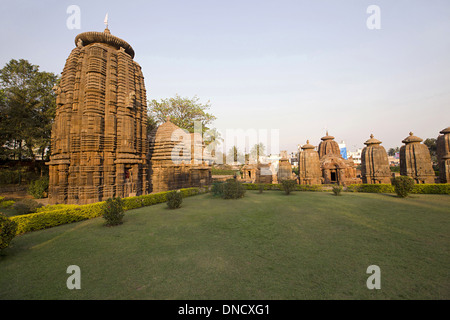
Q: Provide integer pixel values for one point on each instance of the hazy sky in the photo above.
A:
(297, 66)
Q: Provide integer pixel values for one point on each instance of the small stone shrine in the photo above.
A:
(176, 159)
(309, 171)
(415, 160)
(374, 163)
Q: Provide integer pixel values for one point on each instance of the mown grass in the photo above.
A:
(308, 245)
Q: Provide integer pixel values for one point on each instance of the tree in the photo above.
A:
(27, 109)
(212, 139)
(182, 112)
(257, 151)
(392, 151)
(432, 147)
(234, 154)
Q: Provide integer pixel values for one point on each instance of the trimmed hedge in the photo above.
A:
(275, 186)
(371, 188)
(434, 188)
(431, 188)
(55, 215)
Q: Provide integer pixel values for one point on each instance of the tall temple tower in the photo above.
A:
(99, 137)
(375, 163)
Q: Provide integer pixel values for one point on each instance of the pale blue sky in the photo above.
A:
(297, 66)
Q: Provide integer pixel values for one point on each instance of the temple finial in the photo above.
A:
(106, 23)
(371, 136)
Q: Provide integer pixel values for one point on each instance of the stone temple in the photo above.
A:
(99, 137)
(443, 154)
(309, 171)
(415, 160)
(374, 163)
(335, 169)
(176, 159)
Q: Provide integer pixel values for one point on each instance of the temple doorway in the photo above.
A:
(333, 176)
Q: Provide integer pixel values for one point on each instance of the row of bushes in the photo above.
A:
(431, 188)
(435, 188)
(54, 215)
(279, 186)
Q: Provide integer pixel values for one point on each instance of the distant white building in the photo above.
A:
(355, 155)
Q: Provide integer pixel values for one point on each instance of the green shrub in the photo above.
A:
(403, 185)
(233, 189)
(4, 203)
(8, 230)
(26, 206)
(337, 190)
(288, 186)
(217, 188)
(39, 188)
(113, 211)
(174, 199)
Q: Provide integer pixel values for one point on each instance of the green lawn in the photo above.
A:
(308, 245)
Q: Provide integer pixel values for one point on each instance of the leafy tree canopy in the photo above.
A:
(27, 109)
(181, 111)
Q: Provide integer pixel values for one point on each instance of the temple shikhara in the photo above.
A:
(101, 148)
(415, 160)
(375, 163)
(99, 138)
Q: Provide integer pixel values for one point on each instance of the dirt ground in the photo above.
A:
(16, 193)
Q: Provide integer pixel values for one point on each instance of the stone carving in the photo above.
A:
(176, 159)
(99, 145)
(443, 154)
(309, 171)
(374, 163)
(415, 160)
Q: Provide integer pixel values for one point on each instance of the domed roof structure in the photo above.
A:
(176, 159)
(372, 141)
(412, 139)
(307, 146)
(165, 138)
(103, 37)
(328, 146)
